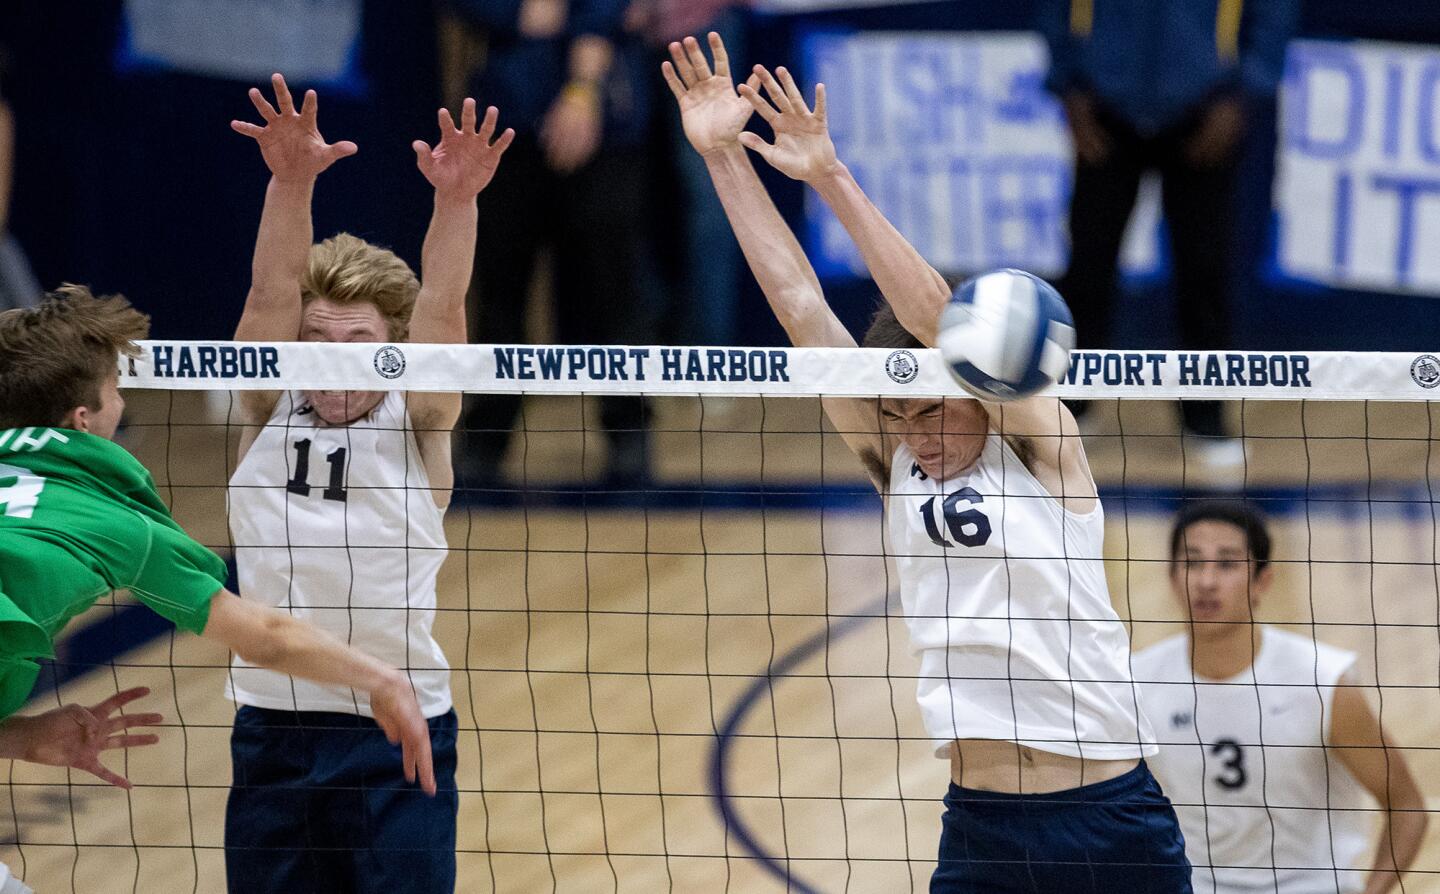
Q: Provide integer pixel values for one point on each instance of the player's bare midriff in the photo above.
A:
(990, 765)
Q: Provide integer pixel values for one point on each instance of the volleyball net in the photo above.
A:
(701, 679)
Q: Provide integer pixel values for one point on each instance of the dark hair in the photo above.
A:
(57, 355)
(885, 331)
(1232, 512)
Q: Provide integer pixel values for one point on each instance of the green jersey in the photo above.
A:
(80, 518)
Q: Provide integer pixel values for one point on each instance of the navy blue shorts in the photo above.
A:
(320, 803)
(1120, 835)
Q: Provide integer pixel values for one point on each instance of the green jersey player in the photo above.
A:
(80, 518)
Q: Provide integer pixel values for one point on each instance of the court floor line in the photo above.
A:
(720, 756)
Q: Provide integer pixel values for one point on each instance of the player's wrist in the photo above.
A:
(724, 149)
(828, 177)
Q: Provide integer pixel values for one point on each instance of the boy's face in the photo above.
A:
(1213, 575)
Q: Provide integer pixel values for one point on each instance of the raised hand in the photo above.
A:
(463, 163)
(74, 736)
(802, 149)
(290, 141)
(710, 110)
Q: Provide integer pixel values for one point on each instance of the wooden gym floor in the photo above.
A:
(602, 649)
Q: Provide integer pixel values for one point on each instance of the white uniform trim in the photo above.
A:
(362, 569)
(797, 372)
(1262, 806)
(1005, 596)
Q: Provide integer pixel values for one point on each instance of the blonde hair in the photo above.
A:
(346, 269)
(58, 355)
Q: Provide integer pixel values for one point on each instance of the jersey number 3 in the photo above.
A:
(1232, 758)
(969, 526)
(300, 484)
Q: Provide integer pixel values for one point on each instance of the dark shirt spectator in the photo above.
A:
(1154, 61)
(527, 62)
(1168, 86)
(574, 80)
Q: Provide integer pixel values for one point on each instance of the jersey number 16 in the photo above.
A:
(969, 526)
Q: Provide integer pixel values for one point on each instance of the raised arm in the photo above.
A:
(296, 154)
(714, 117)
(459, 167)
(804, 151)
(273, 639)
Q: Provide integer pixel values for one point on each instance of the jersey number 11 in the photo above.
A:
(300, 484)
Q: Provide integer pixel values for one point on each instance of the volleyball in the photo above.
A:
(1006, 334)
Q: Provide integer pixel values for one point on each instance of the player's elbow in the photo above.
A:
(267, 641)
(797, 309)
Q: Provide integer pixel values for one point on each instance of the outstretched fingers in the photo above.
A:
(282, 94)
(792, 92)
(697, 58)
(505, 140)
(820, 101)
(751, 91)
(137, 740)
(487, 124)
(310, 107)
(95, 768)
(683, 67)
(262, 105)
(119, 700)
(672, 80)
(774, 90)
(467, 116)
(722, 58)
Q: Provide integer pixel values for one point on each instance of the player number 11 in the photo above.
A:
(300, 484)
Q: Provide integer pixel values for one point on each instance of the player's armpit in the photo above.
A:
(1050, 446)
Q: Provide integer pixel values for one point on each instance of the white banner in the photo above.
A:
(310, 41)
(958, 143)
(1359, 177)
(840, 372)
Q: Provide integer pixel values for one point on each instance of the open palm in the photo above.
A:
(802, 149)
(464, 161)
(712, 113)
(290, 141)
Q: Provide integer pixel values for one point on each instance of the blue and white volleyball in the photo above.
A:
(1006, 335)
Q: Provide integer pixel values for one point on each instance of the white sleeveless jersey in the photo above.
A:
(338, 526)
(1243, 762)
(1005, 595)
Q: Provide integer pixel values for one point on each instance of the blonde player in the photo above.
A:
(80, 518)
(1267, 742)
(996, 529)
(337, 509)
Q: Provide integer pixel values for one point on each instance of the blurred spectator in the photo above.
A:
(707, 281)
(575, 85)
(1166, 85)
(18, 287)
